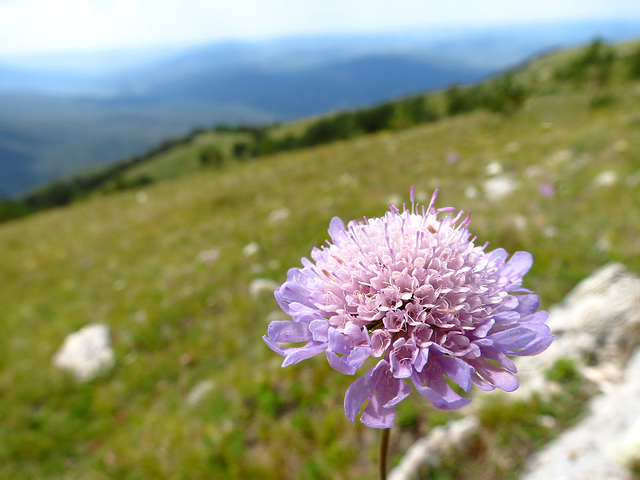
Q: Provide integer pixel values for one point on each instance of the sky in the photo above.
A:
(46, 26)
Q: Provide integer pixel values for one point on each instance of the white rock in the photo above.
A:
(497, 188)
(250, 249)
(605, 305)
(199, 391)
(470, 192)
(549, 231)
(561, 156)
(209, 256)
(603, 445)
(86, 352)
(279, 215)
(520, 222)
(259, 285)
(494, 168)
(626, 450)
(606, 179)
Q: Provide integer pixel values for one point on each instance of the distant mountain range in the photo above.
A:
(61, 113)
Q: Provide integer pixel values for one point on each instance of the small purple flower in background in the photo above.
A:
(546, 189)
(452, 157)
(412, 289)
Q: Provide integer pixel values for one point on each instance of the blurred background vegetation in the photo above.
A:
(546, 156)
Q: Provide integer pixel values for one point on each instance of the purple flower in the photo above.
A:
(452, 157)
(412, 289)
(546, 189)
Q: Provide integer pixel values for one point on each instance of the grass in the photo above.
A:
(185, 159)
(131, 261)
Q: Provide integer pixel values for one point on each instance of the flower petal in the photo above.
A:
(512, 339)
(527, 304)
(295, 355)
(383, 392)
(288, 331)
(431, 384)
(495, 376)
(336, 229)
(516, 267)
(319, 330)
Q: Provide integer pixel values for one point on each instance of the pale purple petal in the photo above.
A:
(357, 393)
(319, 330)
(539, 346)
(431, 385)
(495, 376)
(404, 389)
(380, 341)
(497, 256)
(380, 411)
(303, 313)
(527, 304)
(295, 355)
(291, 292)
(338, 342)
(287, 331)
(402, 357)
(492, 353)
(348, 364)
(273, 345)
(512, 339)
(516, 267)
(456, 369)
(538, 317)
(421, 359)
(336, 228)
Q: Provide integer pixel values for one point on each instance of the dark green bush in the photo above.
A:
(211, 156)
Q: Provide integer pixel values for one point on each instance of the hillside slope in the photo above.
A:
(559, 178)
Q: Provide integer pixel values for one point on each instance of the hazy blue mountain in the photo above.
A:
(304, 91)
(60, 113)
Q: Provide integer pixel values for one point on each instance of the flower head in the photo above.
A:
(412, 289)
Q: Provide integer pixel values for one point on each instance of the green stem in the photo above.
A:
(384, 446)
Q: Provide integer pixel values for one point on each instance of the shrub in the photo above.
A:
(211, 156)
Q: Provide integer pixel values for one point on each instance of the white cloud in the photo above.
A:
(37, 25)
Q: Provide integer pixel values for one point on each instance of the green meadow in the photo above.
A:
(133, 260)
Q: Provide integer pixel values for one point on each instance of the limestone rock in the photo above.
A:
(604, 444)
(199, 391)
(86, 352)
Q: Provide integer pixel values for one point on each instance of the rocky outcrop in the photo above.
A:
(602, 446)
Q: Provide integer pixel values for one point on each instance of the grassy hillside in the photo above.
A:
(132, 260)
